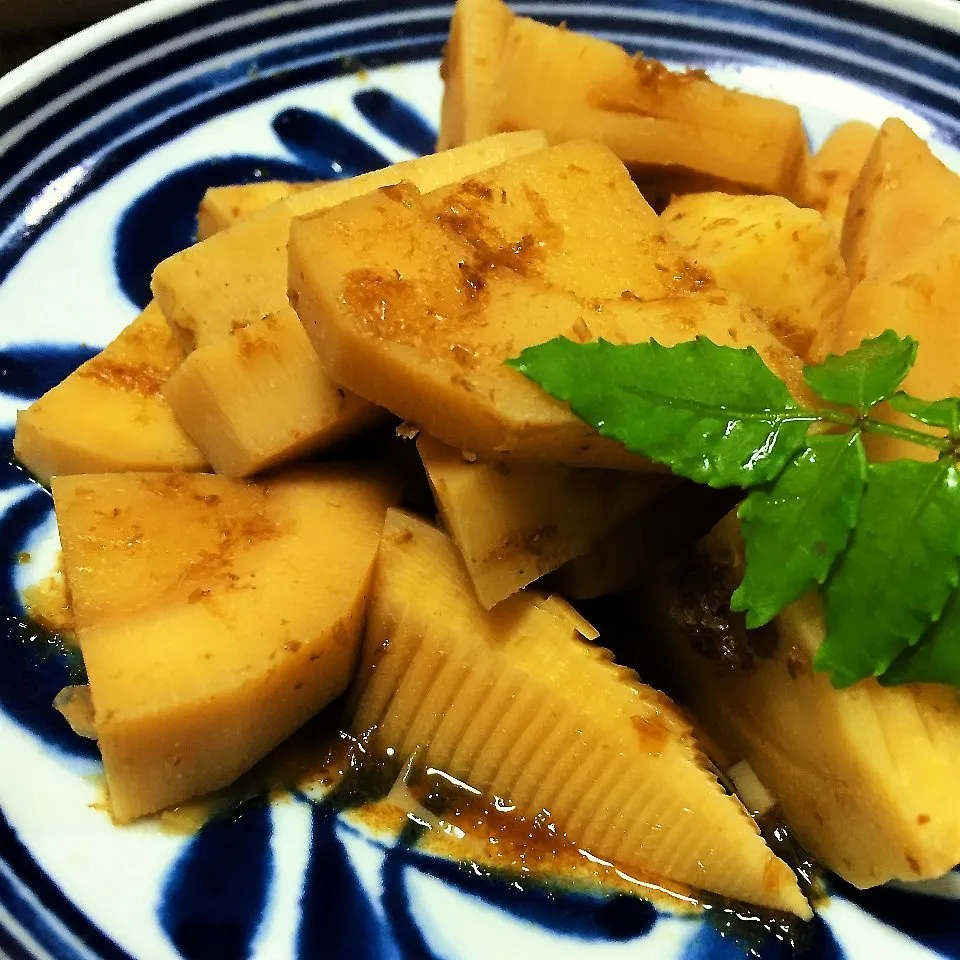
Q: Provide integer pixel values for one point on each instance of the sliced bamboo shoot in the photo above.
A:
(212, 288)
(471, 61)
(902, 195)
(110, 414)
(222, 207)
(468, 685)
(261, 398)
(253, 394)
(918, 297)
(214, 616)
(570, 85)
(864, 777)
(513, 523)
(784, 260)
(415, 301)
(834, 168)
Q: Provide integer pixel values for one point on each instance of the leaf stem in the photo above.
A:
(871, 425)
(836, 416)
(942, 444)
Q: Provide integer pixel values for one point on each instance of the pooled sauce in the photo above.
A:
(423, 809)
(432, 814)
(700, 609)
(460, 823)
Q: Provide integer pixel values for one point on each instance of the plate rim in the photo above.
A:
(943, 14)
(49, 62)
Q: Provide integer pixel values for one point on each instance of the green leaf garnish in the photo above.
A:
(862, 377)
(936, 659)
(714, 415)
(935, 413)
(898, 572)
(882, 541)
(795, 529)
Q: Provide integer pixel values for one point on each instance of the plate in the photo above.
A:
(106, 144)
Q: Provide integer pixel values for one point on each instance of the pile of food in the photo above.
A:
(243, 546)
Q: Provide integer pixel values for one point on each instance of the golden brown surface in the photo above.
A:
(515, 704)
(514, 522)
(414, 301)
(570, 85)
(110, 414)
(902, 195)
(260, 397)
(214, 617)
(783, 260)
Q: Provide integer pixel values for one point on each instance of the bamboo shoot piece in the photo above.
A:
(471, 61)
(238, 275)
(784, 260)
(110, 414)
(902, 196)
(864, 777)
(516, 704)
(917, 297)
(513, 523)
(260, 398)
(570, 85)
(834, 168)
(222, 207)
(415, 301)
(253, 394)
(214, 617)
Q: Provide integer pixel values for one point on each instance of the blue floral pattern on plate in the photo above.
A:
(299, 880)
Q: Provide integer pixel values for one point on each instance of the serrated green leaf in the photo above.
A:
(935, 413)
(713, 414)
(936, 658)
(794, 530)
(862, 377)
(898, 571)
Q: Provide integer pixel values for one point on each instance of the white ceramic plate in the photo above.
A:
(106, 145)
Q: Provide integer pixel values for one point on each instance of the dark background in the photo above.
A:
(29, 26)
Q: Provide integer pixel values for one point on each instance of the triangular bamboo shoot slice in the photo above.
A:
(545, 673)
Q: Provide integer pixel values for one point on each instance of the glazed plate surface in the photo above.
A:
(106, 146)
